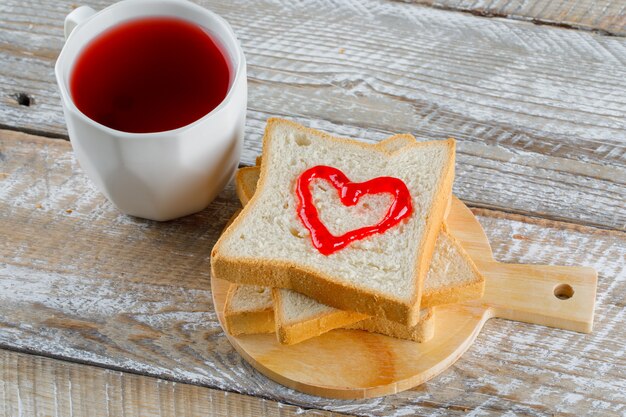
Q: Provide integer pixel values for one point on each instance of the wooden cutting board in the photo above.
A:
(353, 364)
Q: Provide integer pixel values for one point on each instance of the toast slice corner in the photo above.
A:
(298, 317)
(304, 270)
(248, 309)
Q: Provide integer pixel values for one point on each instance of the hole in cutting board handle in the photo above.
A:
(563, 291)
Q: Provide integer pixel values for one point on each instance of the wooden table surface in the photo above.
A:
(102, 314)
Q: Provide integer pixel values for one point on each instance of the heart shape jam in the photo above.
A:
(349, 194)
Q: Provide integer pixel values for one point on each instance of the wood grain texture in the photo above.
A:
(605, 16)
(95, 286)
(33, 386)
(539, 112)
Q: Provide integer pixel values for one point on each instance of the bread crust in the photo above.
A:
(423, 331)
(292, 333)
(324, 288)
(243, 188)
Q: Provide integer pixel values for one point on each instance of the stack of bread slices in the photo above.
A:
(389, 282)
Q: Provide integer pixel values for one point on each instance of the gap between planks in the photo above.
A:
(605, 17)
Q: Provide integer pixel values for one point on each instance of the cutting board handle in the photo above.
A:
(556, 296)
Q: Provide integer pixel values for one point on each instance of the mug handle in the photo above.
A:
(76, 17)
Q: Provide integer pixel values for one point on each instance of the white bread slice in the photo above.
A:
(267, 244)
(299, 317)
(249, 309)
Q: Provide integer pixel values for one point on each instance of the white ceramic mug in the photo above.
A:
(161, 175)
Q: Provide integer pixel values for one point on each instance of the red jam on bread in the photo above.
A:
(349, 194)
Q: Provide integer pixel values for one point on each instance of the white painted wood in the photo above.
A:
(539, 112)
(130, 294)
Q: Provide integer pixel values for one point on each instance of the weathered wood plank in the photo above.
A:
(96, 286)
(36, 386)
(540, 112)
(606, 16)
